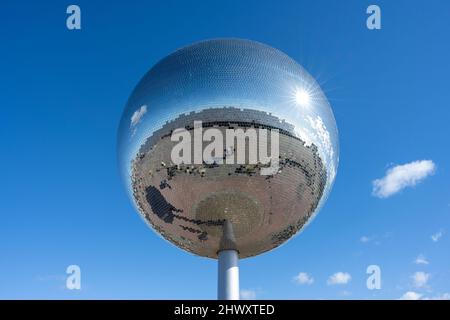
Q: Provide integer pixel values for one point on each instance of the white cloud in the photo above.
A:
(421, 259)
(375, 239)
(364, 239)
(247, 294)
(303, 278)
(411, 295)
(402, 176)
(324, 138)
(137, 115)
(435, 237)
(420, 279)
(339, 278)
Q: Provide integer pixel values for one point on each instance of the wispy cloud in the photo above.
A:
(436, 236)
(58, 281)
(247, 294)
(421, 259)
(364, 239)
(375, 239)
(345, 293)
(420, 279)
(51, 277)
(444, 296)
(411, 295)
(402, 176)
(137, 115)
(339, 278)
(303, 278)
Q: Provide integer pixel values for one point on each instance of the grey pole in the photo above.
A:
(228, 269)
(228, 286)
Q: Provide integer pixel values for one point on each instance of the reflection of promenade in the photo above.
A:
(188, 204)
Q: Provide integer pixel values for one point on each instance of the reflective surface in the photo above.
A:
(227, 84)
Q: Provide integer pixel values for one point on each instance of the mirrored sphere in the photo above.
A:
(251, 191)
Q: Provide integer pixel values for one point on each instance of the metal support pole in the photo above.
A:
(228, 271)
(228, 286)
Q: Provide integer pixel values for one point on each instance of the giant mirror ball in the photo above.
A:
(227, 85)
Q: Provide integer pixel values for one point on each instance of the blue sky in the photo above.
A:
(62, 202)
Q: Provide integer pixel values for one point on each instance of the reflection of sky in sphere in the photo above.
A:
(229, 72)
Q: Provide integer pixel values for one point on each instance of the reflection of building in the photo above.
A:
(188, 204)
(212, 116)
